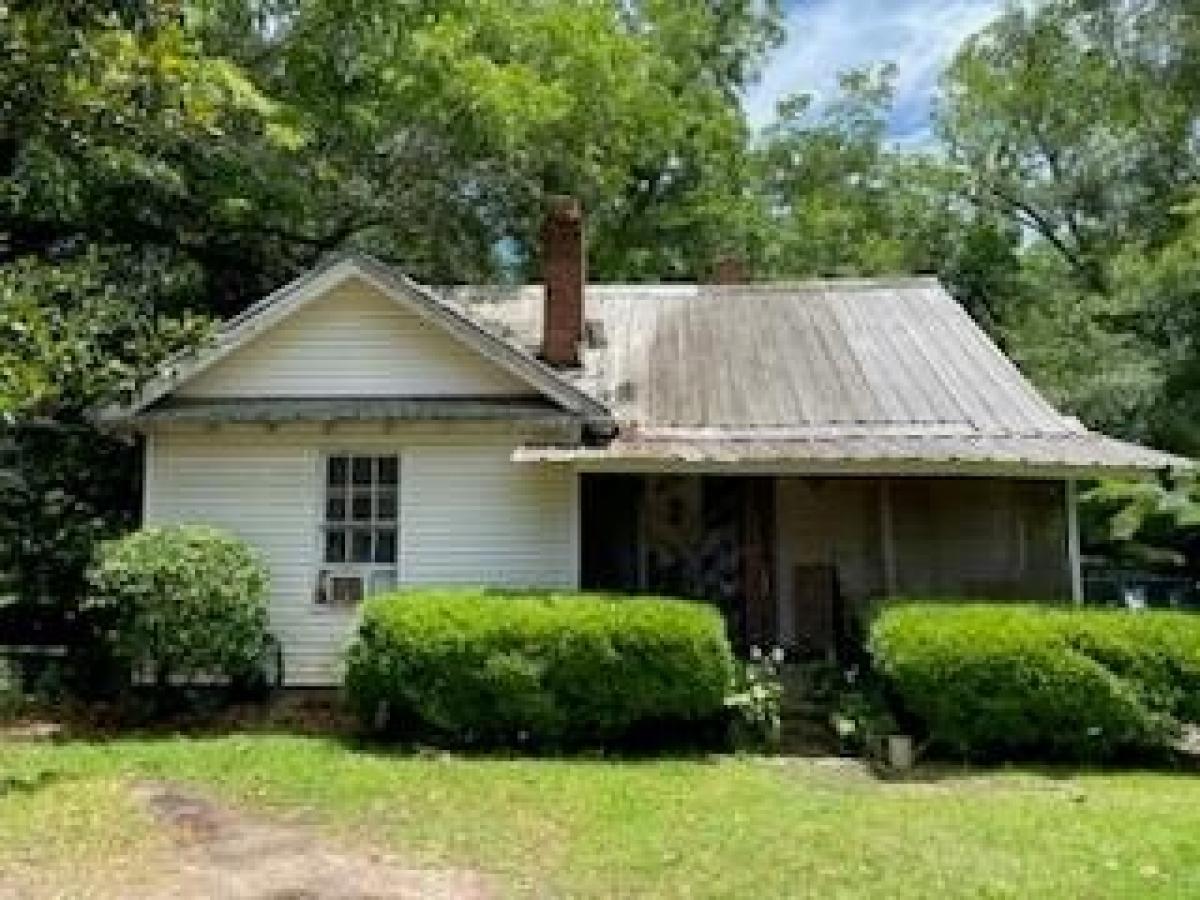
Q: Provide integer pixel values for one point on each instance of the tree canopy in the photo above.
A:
(166, 162)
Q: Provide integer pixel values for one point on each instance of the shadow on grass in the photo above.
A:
(945, 771)
(31, 784)
(318, 714)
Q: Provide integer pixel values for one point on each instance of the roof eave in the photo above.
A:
(262, 315)
(833, 468)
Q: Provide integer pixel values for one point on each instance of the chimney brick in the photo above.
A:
(564, 273)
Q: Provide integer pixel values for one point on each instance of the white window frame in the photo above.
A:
(376, 577)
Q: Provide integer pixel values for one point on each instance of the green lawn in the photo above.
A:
(720, 828)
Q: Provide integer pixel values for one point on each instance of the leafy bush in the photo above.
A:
(861, 717)
(1020, 680)
(506, 667)
(755, 703)
(1159, 652)
(186, 602)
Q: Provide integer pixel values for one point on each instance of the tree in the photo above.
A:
(163, 162)
(126, 157)
(118, 131)
(1155, 523)
(1075, 121)
(844, 202)
(439, 127)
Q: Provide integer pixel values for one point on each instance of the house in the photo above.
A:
(789, 451)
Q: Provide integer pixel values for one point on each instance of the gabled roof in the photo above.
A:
(880, 370)
(402, 290)
(860, 373)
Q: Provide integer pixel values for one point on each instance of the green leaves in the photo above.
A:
(544, 669)
(188, 602)
(71, 339)
(1004, 681)
(440, 126)
(1075, 121)
(1149, 522)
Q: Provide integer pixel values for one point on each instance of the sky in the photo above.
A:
(826, 37)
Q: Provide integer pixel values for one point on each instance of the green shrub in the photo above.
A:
(506, 667)
(999, 681)
(755, 702)
(1159, 652)
(186, 602)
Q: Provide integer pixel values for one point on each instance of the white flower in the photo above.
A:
(1095, 731)
(777, 655)
(755, 653)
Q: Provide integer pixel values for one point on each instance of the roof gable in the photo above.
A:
(354, 341)
(355, 328)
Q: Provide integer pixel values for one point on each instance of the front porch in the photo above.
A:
(792, 561)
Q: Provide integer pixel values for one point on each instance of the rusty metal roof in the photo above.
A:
(870, 454)
(844, 369)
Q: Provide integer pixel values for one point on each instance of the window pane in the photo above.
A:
(385, 505)
(385, 546)
(360, 546)
(335, 546)
(362, 469)
(336, 471)
(388, 469)
(362, 507)
(335, 508)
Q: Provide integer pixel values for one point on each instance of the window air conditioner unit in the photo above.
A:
(344, 589)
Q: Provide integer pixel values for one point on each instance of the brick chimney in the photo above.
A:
(564, 272)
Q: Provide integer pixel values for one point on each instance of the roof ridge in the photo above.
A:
(818, 283)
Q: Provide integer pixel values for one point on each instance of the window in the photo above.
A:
(359, 527)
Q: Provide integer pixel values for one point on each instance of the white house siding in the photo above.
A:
(468, 514)
(353, 341)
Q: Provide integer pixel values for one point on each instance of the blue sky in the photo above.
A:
(829, 36)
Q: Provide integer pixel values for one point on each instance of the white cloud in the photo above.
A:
(826, 37)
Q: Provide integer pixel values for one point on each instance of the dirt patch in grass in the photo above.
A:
(219, 851)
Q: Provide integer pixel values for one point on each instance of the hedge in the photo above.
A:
(1000, 681)
(527, 668)
(186, 602)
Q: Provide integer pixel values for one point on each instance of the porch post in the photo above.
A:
(1074, 567)
(887, 538)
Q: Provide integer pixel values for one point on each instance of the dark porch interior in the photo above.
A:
(790, 561)
(705, 537)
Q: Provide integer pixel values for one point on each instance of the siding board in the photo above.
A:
(353, 342)
(467, 515)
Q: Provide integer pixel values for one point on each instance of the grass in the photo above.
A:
(664, 828)
(56, 834)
